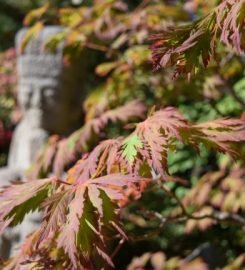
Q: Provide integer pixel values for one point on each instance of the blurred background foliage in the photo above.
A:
(116, 33)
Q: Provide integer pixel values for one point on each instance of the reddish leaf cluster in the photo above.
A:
(159, 132)
(184, 46)
(110, 23)
(59, 154)
(80, 212)
(75, 215)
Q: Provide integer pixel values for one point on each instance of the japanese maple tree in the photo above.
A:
(154, 152)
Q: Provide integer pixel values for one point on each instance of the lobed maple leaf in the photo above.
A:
(150, 141)
(18, 200)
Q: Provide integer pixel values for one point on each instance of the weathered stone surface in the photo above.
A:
(50, 95)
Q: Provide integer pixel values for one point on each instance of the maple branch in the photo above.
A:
(217, 215)
(153, 233)
(223, 216)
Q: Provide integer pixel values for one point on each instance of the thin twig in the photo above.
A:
(114, 253)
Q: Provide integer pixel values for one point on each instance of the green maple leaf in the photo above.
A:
(130, 146)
